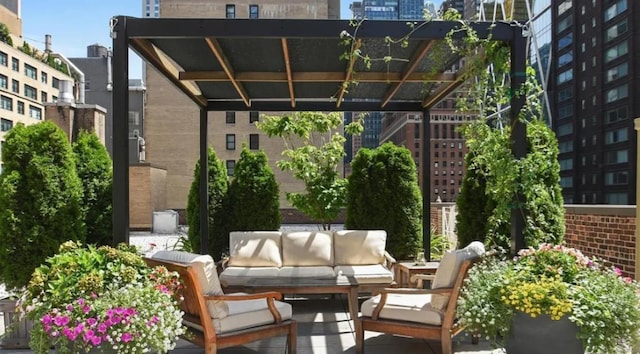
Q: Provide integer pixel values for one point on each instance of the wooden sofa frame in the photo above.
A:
(444, 332)
(198, 320)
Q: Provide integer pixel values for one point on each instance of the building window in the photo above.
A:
(15, 64)
(231, 118)
(617, 114)
(617, 198)
(44, 77)
(231, 167)
(616, 30)
(616, 9)
(616, 52)
(30, 71)
(566, 182)
(35, 112)
(15, 86)
(617, 72)
(565, 94)
(617, 93)
(564, 6)
(43, 96)
(5, 124)
(6, 103)
(565, 59)
(231, 11)
(4, 81)
(30, 92)
(254, 141)
(565, 76)
(616, 136)
(254, 116)
(20, 107)
(619, 156)
(566, 164)
(55, 83)
(254, 11)
(565, 146)
(565, 129)
(564, 24)
(565, 41)
(616, 178)
(3, 59)
(231, 141)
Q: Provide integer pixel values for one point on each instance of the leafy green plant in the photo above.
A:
(383, 194)
(440, 244)
(254, 202)
(93, 166)
(5, 35)
(218, 184)
(557, 281)
(40, 199)
(314, 148)
(85, 297)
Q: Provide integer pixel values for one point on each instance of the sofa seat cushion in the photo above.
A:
(359, 247)
(405, 307)
(255, 249)
(239, 276)
(246, 314)
(307, 272)
(366, 274)
(307, 248)
(206, 273)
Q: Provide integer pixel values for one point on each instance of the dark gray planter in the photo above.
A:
(542, 335)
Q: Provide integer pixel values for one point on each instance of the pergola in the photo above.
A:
(295, 65)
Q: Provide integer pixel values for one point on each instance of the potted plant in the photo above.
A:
(102, 298)
(553, 287)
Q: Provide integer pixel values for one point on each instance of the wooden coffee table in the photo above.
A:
(405, 271)
(303, 285)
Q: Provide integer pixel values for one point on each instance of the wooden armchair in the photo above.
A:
(421, 313)
(220, 321)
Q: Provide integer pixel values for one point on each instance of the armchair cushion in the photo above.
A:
(255, 249)
(448, 271)
(405, 307)
(359, 247)
(239, 276)
(307, 272)
(306, 248)
(207, 275)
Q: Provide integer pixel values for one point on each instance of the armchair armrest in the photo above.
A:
(420, 278)
(270, 296)
(386, 291)
(389, 260)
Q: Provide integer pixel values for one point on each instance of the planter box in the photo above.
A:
(16, 334)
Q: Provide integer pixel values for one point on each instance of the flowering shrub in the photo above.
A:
(88, 297)
(557, 281)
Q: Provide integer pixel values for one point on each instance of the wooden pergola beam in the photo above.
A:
(226, 66)
(315, 76)
(287, 63)
(424, 48)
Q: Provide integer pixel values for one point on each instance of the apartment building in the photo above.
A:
(594, 95)
(172, 120)
(26, 82)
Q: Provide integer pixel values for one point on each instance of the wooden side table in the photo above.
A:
(405, 270)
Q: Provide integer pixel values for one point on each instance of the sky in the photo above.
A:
(75, 24)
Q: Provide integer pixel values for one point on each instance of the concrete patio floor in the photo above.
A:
(324, 327)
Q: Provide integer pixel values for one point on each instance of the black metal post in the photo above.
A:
(519, 130)
(120, 99)
(204, 182)
(426, 183)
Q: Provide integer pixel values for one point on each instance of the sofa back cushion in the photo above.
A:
(255, 249)
(206, 273)
(359, 247)
(307, 248)
(448, 270)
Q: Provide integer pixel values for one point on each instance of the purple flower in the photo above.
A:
(126, 337)
(61, 320)
(46, 319)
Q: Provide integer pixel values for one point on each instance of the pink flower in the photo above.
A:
(126, 337)
(617, 270)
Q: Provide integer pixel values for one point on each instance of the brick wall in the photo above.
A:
(603, 231)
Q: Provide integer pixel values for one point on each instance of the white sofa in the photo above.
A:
(356, 253)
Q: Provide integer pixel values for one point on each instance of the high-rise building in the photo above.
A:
(151, 8)
(357, 10)
(171, 119)
(594, 94)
